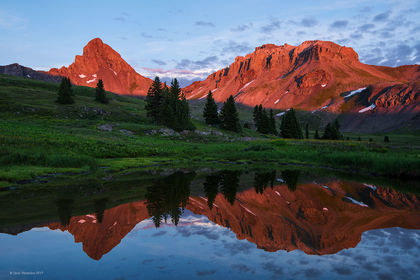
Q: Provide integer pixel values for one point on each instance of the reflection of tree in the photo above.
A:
(167, 195)
(264, 179)
(211, 188)
(229, 184)
(65, 209)
(100, 206)
(291, 178)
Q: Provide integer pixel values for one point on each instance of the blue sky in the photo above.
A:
(190, 39)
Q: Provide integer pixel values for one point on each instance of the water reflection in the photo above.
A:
(168, 197)
(277, 211)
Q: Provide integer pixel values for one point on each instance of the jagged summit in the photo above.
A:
(314, 76)
(100, 61)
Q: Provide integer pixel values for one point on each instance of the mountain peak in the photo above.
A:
(100, 61)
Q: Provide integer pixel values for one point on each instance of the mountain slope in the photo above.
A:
(26, 72)
(317, 75)
(100, 61)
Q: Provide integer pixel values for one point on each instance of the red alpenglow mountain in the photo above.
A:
(100, 61)
(315, 76)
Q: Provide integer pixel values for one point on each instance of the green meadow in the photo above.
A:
(40, 139)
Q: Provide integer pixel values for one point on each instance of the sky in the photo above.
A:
(192, 38)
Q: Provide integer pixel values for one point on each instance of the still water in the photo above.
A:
(226, 224)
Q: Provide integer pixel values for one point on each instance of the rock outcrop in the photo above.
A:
(100, 61)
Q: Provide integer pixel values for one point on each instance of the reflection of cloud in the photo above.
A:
(243, 268)
(342, 270)
(205, 272)
(312, 272)
(275, 269)
(243, 247)
(159, 233)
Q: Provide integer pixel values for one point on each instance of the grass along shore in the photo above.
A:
(39, 137)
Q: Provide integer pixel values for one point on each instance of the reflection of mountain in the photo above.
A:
(100, 238)
(314, 218)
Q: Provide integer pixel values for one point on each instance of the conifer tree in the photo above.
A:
(332, 131)
(273, 129)
(210, 111)
(100, 93)
(307, 131)
(229, 116)
(290, 127)
(65, 92)
(153, 100)
(316, 136)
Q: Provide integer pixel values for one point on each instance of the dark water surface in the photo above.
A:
(285, 224)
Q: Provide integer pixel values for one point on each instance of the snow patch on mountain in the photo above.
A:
(354, 92)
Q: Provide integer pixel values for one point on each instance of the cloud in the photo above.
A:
(146, 35)
(236, 48)
(270, 27)
(197, 64)
(241, 28)
(308, 22)
(381, 17)
(339, 24)
(204, 23)
(122, 19)
(159, 62)
(9, 21)
(366, 27)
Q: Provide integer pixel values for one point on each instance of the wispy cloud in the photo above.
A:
(204, 23)
(241, 28)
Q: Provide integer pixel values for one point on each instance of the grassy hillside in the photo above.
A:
(39, 137)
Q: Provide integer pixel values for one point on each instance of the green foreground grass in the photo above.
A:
(39, 137)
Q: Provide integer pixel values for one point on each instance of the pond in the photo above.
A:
(281, 224)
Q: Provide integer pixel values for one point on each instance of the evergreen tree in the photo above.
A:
(290, 127)
(173, 110)
(100, 93)
(273, 129)
(166, 109)
(210, 111)
(153, 100)
(386, 139)
(65, 92)
(229, 116)
(316, 136)
(264, 123)
(332, 131)
(307, 131)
